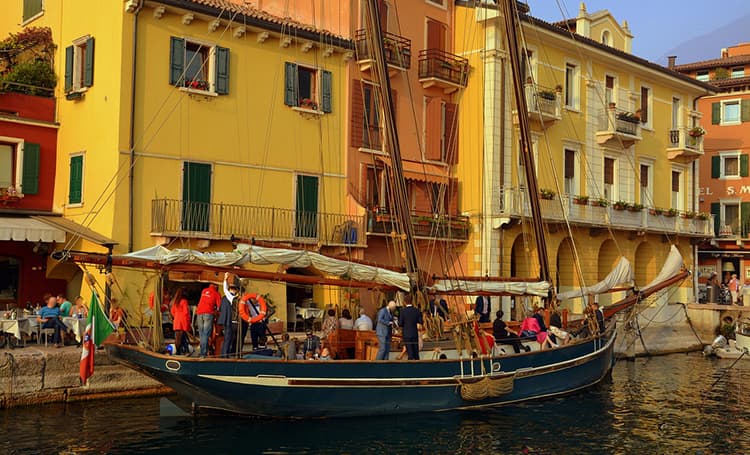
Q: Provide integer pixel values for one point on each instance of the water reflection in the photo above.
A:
(659, 405)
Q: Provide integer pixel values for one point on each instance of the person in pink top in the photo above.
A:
(181, 321)
(530, 324)
(734, 288)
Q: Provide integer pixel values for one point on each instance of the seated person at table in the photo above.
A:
(311, 345)
(65, 305)
(345, 321)
(49, 317)
(330, 323)
(363, 322)
(504, 335)
(79, 310)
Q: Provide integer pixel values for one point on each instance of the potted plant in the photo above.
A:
(635, 207)
(689, 214)
(9, 195)
(547, 194)
(655, 211)
(628, 117)
(547, 95)
(600, 202)
(307, 103)
(696, 131)
(704, 216)
(671, 213)
(620, 205)
(197, 84)
(580, 199)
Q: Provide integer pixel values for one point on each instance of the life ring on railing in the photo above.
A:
(245, 314)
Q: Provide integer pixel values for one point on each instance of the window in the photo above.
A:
(729, 165)
(609, 90)
(676, 104)
(438, 193)
(436, 35)
(677, 200)
(571, 86)
(372, 131)
(738, 72)
(731, 216)
(730, 112)
(646, 183)
(32, 9)
(79, 65)
(196, 196)
(449, 132)
(702, 76)
(306, 213)
(373, 188)
(199, 66)
(528, 66)
(19, 167)
(570, 172)
(75, 184)
(308, 88)
(645, 104)
(440, 130)
(609, 179)
(606, 38)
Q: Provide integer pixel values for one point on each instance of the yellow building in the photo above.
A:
(196, 123)
(611, 145)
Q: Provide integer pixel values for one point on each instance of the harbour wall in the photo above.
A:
(35, 375)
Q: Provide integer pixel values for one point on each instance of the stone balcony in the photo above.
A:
(543, 105)
(617, 128)
(684, 147)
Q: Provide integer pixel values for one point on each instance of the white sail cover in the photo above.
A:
(671, 268)
(538, 288)
(622, 275)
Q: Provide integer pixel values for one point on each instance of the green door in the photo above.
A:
(306, 216)
(196, 196)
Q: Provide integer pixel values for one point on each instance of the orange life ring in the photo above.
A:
(263, 307)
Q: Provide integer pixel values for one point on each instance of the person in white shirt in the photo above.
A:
(363, 322)
(345, 321)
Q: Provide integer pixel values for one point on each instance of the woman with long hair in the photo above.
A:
(181, 316)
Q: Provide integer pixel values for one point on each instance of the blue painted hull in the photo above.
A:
(314, 389)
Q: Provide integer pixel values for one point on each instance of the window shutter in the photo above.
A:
(76, 179)
(88, 66)
(432, 129)
(453, 197)
(745, 110)
(675, 181)
(715, 167)
(570, 167)
(30, 180)
(644, 105)
(644, 176)
(68, 68)
(743, 165)
(177, 62)
(715, 113)
(222, 70)
(326, 97)
(358, 114)
(290, 85)
(31, 8)
(364, 185)
(609, 171)
(745, 217)
(451, 132)
(716, 211)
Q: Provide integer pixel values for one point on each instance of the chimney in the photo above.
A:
(724, 52)
(670, 61)
(583, 22)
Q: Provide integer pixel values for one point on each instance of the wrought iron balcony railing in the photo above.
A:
(397, 49)
(426, 225)
(443, 67)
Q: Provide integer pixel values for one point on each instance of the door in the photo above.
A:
(196, 196)
(435, 35)
(306, 214)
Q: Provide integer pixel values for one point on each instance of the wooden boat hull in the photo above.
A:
(318, 389)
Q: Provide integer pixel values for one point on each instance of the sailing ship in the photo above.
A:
(275, 387)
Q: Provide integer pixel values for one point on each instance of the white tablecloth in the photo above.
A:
(308, 313)
(16, 326)
(78, 326)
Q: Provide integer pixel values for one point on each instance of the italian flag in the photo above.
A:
(98, 328)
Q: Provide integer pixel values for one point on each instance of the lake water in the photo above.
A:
(662, 405)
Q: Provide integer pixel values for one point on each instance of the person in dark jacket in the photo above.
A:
(229, 317)
(409, 318)
(503, 335)
(482, 308)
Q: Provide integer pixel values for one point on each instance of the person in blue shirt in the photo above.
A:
(384, 330)
(49, 317)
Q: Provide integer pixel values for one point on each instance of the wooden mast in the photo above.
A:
(512, 29)
(391, 142)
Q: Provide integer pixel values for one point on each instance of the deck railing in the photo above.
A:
(177, 218)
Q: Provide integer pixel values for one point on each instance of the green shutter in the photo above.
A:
(715, 113)
(176, 61)
(716, 212)
(76, 179)
(743, 165)
(222, 70)
(745, 110)
(88, 66)
(30, 175)
(715, 167)
(69, 68)
(290, 85)
(196, 196)
(325, 100)
(745, 218)
(306, 216)
(31, 8)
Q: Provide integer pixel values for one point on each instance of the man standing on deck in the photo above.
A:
(599, 315)
(229, 316)
(409, 318)
(384, 330)
(208, 305)
(482, 308)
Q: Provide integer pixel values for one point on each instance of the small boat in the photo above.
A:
(732, 349)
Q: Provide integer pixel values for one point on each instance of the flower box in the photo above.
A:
(635, 207)
(581, 200)
(619, 205)
(601, 202)
(547, 194)
(655, 211)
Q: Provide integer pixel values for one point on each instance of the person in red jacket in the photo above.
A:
(208, 306)
(181, 321)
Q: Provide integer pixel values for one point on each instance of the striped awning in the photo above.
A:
(28, 229)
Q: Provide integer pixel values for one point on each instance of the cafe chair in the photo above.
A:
(46, 333)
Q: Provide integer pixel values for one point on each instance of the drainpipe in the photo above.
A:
(131, 141)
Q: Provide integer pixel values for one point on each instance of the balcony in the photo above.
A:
(514, 203)
(427, 226)
(443, 70)
(618, 128)
(543, 105)
(684, 147)
(397, 52)
(176, 218)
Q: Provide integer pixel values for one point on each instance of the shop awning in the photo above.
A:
(28, 229)
(73, 228)
(422, 172)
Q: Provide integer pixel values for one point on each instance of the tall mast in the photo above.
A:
(391, 143)
(512, 30)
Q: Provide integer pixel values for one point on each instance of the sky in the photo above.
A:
(691, 29)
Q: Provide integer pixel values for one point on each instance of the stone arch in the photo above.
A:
(645, 266)
(522, 260)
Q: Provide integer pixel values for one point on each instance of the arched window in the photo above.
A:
(606, 38)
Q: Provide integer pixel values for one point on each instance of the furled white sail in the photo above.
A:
(538, 288)
(621, 275)
(671, 268)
